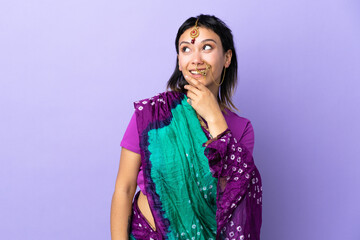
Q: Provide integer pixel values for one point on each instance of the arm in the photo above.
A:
(125, 187)
(239, 192)
(206, 105)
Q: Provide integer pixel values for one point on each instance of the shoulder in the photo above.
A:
(160, 98)
(237, 124)
(155, 109)
(242, 129)
(236, 119)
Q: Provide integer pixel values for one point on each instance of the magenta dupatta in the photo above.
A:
(239, 188)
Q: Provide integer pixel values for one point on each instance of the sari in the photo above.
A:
(197, 187)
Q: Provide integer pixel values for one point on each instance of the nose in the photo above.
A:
(197, 59)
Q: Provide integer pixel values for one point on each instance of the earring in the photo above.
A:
(222, 80)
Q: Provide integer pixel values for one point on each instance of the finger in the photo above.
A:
(192, 96)
(189, 101)
(192, 89)
(194, 82)
(191, 81)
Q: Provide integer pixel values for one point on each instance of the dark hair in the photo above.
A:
(227, 88)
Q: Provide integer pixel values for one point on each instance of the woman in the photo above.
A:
(189, 153)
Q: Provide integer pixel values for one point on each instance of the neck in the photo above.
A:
(214, 89)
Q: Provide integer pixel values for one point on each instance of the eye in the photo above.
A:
(185, 49)
(207, 47)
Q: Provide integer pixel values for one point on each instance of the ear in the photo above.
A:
(180, 68)
(228, 56)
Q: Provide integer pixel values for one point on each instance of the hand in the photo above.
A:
(203, 100)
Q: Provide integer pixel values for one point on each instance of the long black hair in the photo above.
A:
(227, 88)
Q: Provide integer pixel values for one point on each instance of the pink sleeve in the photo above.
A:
(247, 137)
(130, 140)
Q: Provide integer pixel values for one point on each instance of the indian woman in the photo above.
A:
(187, 150)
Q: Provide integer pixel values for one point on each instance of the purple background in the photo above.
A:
(71, 69)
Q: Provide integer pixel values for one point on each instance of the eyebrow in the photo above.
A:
(205, 40)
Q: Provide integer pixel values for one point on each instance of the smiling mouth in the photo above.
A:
(198, 71)
(202, 71)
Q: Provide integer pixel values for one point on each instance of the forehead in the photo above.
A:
(205, 33)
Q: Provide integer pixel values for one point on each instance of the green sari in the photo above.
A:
(184, 173)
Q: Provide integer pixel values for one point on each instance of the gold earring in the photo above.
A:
(222, 80)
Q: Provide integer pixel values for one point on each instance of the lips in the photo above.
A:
(198, 71)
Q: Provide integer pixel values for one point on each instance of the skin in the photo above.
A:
(203, 93)
(125, 187)
(202, 90)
